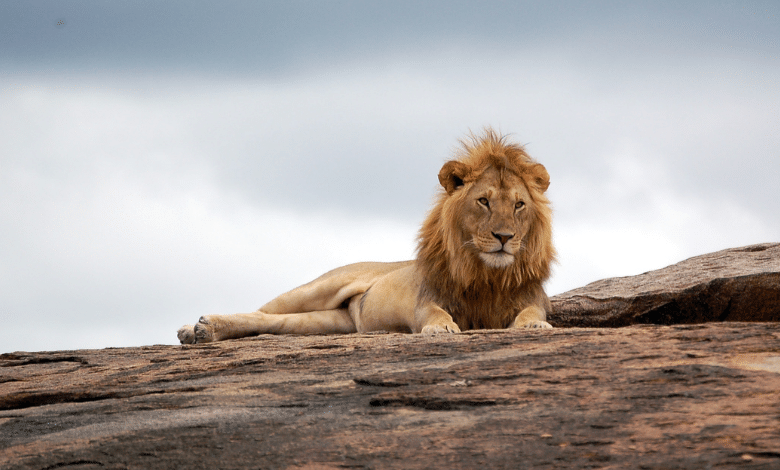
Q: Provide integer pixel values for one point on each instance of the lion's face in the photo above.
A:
(492, 209)
(494, 217)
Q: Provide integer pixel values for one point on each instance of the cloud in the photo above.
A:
(274, 39)
(637, 220)
(121, 262)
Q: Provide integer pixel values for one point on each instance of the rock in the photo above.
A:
(643, 396)
(688, 396)
(738, 284)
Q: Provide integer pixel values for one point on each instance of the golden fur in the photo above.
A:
(484, 252)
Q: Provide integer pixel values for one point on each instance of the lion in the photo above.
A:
(484, 252)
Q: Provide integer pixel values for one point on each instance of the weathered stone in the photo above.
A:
(738, 284)
(644, 396)
(688, 396)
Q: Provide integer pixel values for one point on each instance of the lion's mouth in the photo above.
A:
(497, 259)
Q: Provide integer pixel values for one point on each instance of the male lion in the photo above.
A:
(484, 252)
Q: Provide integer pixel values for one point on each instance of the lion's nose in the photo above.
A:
(503, 237)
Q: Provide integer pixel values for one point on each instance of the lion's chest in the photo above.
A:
(478, 311)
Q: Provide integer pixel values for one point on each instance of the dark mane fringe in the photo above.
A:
(475, 295)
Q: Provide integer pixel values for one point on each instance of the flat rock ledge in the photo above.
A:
(679, 394)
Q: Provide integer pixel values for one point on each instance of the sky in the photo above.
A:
(166, 160)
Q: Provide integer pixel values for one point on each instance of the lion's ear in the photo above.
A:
(541, 177)
(452, 175)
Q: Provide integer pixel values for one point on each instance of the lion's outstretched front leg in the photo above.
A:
(531, 317)
(221, 327)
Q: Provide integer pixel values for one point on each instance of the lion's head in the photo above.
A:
(491, 226)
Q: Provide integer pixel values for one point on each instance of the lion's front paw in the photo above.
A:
(440, 329)
(535, 324)
(186, 334)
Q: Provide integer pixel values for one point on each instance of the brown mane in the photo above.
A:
(475, 295)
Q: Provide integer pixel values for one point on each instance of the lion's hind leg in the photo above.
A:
(321, 322)
(221, 327)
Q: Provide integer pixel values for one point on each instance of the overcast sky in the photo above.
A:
(166, 160)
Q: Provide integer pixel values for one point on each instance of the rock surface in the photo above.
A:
(644, 396)
(738, 284)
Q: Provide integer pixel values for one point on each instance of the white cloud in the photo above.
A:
(118, 264)
(637, 220)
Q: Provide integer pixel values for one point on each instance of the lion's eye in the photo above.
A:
(519, 205)
(484, 201)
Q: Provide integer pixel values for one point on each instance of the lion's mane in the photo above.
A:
(476, 295)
